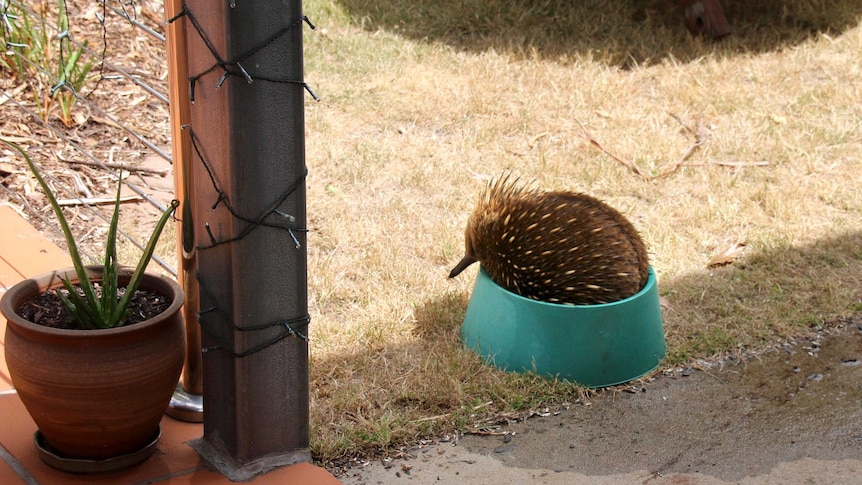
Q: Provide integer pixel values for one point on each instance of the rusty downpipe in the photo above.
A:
(705, 17)
(187, 402)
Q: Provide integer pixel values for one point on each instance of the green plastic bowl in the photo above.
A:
(593, 345)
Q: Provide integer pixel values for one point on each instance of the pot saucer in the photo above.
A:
(82, 465)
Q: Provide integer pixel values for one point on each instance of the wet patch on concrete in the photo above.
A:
(729, 421)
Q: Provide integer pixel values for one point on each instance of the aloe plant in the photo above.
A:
(93, 309)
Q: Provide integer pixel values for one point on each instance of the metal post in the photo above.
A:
(187, 402)
(247, 217)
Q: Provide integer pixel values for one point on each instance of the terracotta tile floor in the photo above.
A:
(24, 252)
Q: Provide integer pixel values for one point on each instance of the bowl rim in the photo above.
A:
(651, 281)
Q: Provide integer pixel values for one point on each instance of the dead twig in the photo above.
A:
(98, 200)
(483, 432)
(631, 166)
(760, 163)
(123, 166)
(432, 418)
(700, 136)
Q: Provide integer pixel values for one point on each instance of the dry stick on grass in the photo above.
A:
(631, 166)
(730, 163)
(432, 418)
(700, 136)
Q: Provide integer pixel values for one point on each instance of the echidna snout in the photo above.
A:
(559, 247)
(469, 255)
(462, 265)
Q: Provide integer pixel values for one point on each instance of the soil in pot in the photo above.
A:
(48, 310)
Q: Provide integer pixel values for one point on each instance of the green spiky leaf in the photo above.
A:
(91, 309)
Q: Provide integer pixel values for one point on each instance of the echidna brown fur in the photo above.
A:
(558, 247)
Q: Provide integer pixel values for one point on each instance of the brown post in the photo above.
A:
(246, 199)
(187, 403)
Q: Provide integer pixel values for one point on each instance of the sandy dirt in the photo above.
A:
(791, 415)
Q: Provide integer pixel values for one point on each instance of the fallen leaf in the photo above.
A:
(14, 94)
(138, 100)
(727, 256)
(6, 168)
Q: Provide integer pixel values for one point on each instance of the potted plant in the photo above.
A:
(95, 352)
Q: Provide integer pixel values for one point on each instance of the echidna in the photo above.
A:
(559, 247)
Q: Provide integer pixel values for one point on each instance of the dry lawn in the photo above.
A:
(705, 146)
(754, 141)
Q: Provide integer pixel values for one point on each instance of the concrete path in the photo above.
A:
(792, 415)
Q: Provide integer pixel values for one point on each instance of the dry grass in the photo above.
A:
(424, 101)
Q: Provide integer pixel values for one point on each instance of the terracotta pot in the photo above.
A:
(95, 394)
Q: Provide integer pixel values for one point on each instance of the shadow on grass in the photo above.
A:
(377, 396)
(420, 387)
(426, 383)
(619, 32)
(441, 317)
(764, 297)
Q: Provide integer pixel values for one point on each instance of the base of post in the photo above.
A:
(186, 406)
(224, 464)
